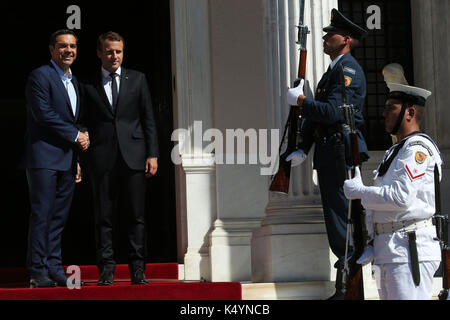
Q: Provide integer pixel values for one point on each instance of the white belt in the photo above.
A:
(402, 226)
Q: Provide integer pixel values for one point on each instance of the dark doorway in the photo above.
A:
(146, 29)
(392, 43)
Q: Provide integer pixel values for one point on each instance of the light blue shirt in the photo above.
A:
(335, 61)
(67, 81)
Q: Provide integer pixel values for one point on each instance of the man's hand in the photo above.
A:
(296, 157)
(354, 188)
(294, 93)
(78, 176)
(83, 140)
(151, 166)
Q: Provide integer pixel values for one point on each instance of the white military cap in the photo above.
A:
(411, 94)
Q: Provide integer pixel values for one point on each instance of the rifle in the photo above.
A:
(352, 277)
(441, 223)
(280, 181)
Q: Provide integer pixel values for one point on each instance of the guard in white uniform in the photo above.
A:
(400, 204)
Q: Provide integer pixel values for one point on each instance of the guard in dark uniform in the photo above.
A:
(323, 127)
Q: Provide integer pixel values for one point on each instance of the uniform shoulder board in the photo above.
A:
(349, 70)
(422, 144)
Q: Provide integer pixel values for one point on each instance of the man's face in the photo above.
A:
(64, 52)
(334, 42)
(392, 109)
(111, 55)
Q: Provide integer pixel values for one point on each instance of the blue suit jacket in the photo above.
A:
(51, 125)
(323, 111)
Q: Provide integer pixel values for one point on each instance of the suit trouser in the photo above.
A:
(50, 194)
(128, 185)
(335, 209)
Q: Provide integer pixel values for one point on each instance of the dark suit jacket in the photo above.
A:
(323, 111)
(130, 129)
(51, 125)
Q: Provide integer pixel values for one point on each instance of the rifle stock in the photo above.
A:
(280, 181)
(441, 223)
(353, 276)
(445, 272)
(354, 288)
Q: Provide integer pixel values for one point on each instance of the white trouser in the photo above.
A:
(395, 281)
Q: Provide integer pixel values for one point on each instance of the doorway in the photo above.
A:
(146, 30)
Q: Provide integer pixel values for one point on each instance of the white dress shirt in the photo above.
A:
(107, 82)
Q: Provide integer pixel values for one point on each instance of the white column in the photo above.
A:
(431, 50)
(200, 214)
(291, 244)
(239, 101)
(195, 175)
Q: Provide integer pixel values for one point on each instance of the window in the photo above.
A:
(391, 43)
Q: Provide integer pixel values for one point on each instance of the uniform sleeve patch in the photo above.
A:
(414, 173)
(420, 157)
(348, 80)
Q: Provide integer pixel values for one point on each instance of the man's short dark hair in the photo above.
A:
(111, 36)
(56, 34)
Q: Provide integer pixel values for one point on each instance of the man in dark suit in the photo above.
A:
(323, 127)
(50, 157)
(117, 111)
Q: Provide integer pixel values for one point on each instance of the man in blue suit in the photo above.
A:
(323, 127)
(50, 157)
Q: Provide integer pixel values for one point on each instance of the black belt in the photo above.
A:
(323, 134)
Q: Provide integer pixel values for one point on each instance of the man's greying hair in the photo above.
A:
(52, 40)
(111, 36)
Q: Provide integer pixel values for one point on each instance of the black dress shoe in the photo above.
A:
(106, 278)
(42, 282)
(61, 280)
(138, 277)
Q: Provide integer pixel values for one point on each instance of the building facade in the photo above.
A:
(219, 71)
(232, 62)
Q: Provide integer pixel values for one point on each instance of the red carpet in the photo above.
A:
(19, 276)
(163, 285)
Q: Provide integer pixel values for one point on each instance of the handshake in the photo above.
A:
(83, 140)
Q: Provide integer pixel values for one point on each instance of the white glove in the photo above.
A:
(296, 157)
(366, 256)
(354, 188)
(294, 93)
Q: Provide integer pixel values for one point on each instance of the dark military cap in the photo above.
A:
(340, 23)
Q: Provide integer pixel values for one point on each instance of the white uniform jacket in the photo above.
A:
(404, 192)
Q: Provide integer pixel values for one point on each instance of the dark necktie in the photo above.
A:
(114, 90)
